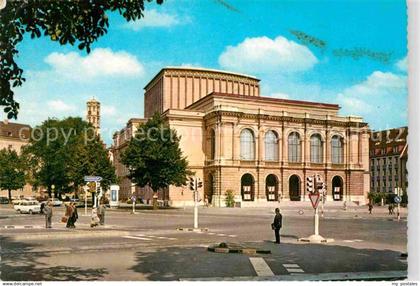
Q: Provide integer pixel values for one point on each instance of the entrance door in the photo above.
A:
(337, 188)
(247, 187)
(294, 188)
(271, 188)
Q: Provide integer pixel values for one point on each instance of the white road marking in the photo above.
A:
(137, 237)
(232, 235)
(221, 234)
(291, 265)
(260, 266)
(295, 270)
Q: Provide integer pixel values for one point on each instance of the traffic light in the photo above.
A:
(309, 184)
(192, 183)
(199, 183)
(319, 183)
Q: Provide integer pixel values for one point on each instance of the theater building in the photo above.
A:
(261, 148)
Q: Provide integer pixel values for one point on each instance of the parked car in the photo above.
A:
(56, 202)
(30, 207)
(4, 200)
(77, 202)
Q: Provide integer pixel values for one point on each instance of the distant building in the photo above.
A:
(388, 160)
(261, 148)
(93, 114)
(120, 143)
(14, 136)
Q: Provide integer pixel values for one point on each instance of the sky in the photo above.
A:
(353, 53)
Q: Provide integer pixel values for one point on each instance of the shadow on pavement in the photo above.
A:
(24, 267)
(174, 263)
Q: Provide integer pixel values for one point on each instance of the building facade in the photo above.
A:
(14, 136)
(261, 148)
(388, 160)
(120, 143)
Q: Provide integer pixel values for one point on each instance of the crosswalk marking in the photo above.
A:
(141, 236)
(290, 265)
(293, 268)
(352, 240)
(260, 266)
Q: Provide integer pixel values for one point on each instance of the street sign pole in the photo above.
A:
(86, 191)
(316, 221)
(195, 204)
(398, 206)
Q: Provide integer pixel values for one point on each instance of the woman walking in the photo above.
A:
(74, 216)
(69, 215)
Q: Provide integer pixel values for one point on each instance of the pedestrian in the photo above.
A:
(277, 224)
(370, 206)
(94, 218)
(48, 211)
(390, 209)
(74, 216)
(102, 213)
(68, 215)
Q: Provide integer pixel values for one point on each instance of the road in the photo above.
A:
(148, 246)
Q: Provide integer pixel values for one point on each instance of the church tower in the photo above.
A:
(93, 114)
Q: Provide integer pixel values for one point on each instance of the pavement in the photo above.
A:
(148, 246)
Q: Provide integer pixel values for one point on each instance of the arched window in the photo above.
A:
(294, 147)
(247, 145)
(212, 144)
(271, 146)
(337, 149)
(316, 149)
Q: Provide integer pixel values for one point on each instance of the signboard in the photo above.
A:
(92, 179)
(314, 197)
(397, 199)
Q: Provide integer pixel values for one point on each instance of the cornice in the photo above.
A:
(242, 115)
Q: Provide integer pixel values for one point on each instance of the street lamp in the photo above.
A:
(2, 4)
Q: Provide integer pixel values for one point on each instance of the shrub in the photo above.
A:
(230, 199)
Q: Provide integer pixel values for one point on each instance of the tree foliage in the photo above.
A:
(71, 22)
(62, 152)
(12, 171)
(154, 158)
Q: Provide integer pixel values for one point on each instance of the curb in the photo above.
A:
(352, 276)
(68, 235)
(249, 251)
(193, 229)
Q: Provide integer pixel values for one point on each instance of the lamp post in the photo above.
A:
(2, 4)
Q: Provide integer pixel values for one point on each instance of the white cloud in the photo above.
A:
(99, 63)
(380, 98)
(402, 64)
(265, 55)
(60, 106)
(155, 19)
(280, 95)
(108, 110)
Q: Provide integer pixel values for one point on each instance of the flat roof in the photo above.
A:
(198, 69)
(266, 99)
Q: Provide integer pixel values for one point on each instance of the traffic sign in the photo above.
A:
(133, 198)
(397, 199)
(92, 179)
(314, 197)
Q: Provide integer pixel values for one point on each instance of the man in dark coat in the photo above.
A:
(277, 224)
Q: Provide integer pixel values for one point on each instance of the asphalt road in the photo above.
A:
(148, 246)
